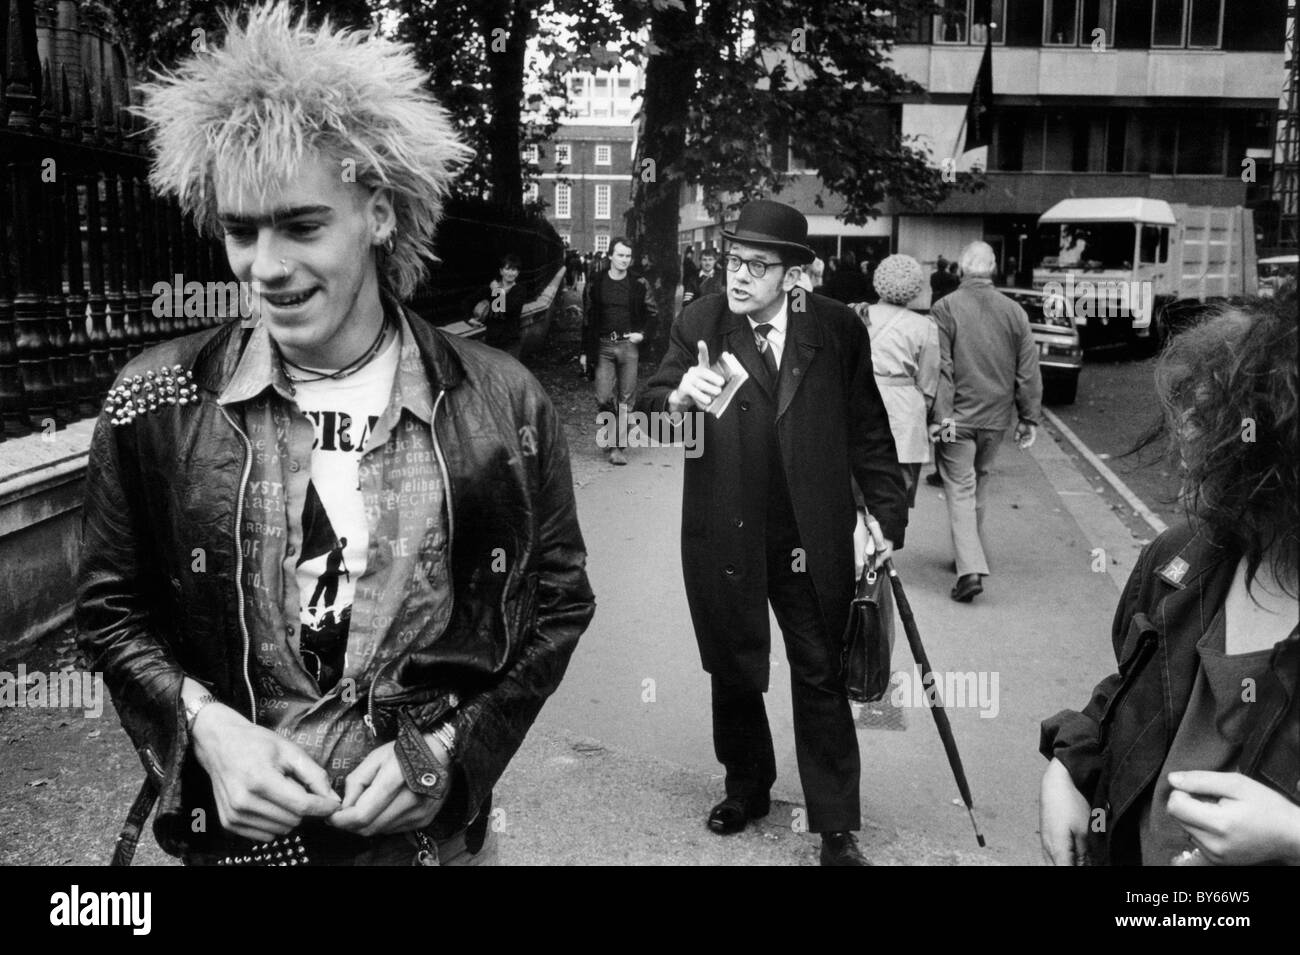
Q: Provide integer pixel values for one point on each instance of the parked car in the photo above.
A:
(1060, 353)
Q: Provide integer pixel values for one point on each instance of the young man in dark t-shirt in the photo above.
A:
(617, 308)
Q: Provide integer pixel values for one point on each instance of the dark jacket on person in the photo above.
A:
(711, 284)
(169, 486)
(825, 423)
(642, 305)
(1115, 748)
(502, 326)
(847, 285)
(941, 283)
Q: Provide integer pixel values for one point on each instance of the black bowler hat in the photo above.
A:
(774, 225)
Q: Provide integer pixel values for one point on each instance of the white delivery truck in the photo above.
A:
(1128, 268)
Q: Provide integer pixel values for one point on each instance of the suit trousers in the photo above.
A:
(826, 743)
(965, 463)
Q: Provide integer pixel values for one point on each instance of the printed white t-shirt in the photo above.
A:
(331, 517)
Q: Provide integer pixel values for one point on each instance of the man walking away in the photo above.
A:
(989, 373)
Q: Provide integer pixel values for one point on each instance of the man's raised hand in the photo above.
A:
(698, 387)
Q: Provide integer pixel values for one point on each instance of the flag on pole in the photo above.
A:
(979, 112)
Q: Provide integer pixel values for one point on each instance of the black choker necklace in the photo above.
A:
(346, 370)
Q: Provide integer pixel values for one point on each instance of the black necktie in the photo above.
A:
(767, 350)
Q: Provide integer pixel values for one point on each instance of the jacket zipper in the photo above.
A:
(369, 718)
(239, 559)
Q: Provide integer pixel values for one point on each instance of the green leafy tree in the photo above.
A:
(499, 67)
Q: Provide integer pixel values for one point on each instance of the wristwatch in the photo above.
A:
(192, 709)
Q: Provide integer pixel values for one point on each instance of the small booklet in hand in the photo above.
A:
(733, 375)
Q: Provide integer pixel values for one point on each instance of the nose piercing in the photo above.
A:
(285, 267)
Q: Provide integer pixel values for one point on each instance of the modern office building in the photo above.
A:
(1163, 99)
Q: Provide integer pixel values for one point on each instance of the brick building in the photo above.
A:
(584, 174)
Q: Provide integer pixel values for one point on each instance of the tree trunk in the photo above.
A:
(657, 179)
(506, 23)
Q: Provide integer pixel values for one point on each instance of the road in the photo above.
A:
(1115, 408)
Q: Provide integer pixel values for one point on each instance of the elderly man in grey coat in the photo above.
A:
(989, 378)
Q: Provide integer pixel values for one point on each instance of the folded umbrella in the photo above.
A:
(936, 707)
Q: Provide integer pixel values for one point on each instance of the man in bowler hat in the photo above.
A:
(768, 514)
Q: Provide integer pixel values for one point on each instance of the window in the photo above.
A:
(602, 201)
(563, 200)
(625, 86)
(530, 192)
(1187, 23)
(1155, 243)
(563, 153)
(602, 154)
(530, 154)
(1076, 22)
(967, 21)
(602, 242)
(578, 85)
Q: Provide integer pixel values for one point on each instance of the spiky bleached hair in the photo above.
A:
(278, 92)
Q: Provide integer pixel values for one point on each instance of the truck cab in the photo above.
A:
(1123, 263)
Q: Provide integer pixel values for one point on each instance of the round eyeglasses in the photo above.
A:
(757, 267)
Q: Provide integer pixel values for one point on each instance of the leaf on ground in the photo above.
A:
(42, 782)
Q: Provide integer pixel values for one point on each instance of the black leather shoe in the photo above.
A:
(841, 848)
(733, 813)
(966, 588)
(934, 479)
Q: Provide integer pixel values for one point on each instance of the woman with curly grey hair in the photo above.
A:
(905, 358)
(1189, 754)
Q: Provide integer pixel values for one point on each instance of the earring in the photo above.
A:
(390, 243)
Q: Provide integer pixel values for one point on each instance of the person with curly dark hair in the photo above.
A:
(1190, 754)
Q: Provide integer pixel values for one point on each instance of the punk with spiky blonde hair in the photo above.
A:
(331, 562)
(278, 91)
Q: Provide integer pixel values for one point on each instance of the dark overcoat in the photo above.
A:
(827, 423)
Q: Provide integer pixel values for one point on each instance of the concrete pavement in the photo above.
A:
(620, 768)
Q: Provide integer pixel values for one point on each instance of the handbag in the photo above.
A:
(868, 639)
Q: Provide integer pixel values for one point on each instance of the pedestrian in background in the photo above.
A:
(618, 307)
(989, 372)
(905, 357)
(501, 308)
(942, 281)
(1189, 754)
(711, 280)
(690, 271)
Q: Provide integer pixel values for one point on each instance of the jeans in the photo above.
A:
(965, 463)
(616, 365)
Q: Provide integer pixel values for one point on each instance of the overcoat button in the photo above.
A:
(729, 570)
(429, 779)
(739, 522)
(744, 406)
